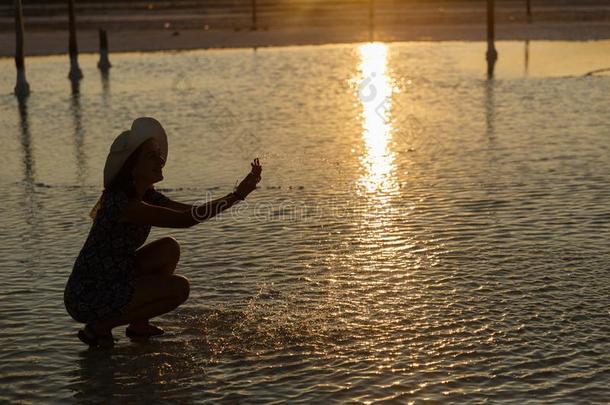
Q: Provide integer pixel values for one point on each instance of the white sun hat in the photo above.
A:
(142, 129)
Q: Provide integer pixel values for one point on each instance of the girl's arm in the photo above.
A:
(143, 213)
(178, 215)
(177, 206)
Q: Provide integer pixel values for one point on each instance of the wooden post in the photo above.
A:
(528, 6)
(22, 88)
(253, 27)
(104, 63)
(371, 20)
(75, 72)
(492, 54)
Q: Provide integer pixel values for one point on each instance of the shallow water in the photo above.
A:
(420, 233)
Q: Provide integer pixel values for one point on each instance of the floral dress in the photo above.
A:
(101, 283)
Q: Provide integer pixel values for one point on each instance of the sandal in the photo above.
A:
(129, 332)
(88, 336)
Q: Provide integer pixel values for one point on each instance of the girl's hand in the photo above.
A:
(248, 184)
(256, 169)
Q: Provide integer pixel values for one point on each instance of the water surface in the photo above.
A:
(420, 233)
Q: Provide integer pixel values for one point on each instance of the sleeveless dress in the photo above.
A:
(101, 283)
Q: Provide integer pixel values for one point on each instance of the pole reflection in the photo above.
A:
(490, 111)
(26, 142)
(79, 137)
(32, 205)
(105, 76)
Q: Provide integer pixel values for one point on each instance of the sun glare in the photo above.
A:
(375, 94)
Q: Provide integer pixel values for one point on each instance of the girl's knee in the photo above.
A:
(172, 246)
(182, 287)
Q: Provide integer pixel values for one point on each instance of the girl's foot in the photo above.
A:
(144, 329)
(96, 337)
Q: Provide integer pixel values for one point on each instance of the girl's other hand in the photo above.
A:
(256, 169)
(248, 184)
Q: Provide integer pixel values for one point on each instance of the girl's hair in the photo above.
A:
(123, 181)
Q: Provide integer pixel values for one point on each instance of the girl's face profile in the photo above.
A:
(149, 165)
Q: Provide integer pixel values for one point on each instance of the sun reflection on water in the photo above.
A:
(375, 94)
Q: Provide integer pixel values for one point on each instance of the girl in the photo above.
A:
(114, 280)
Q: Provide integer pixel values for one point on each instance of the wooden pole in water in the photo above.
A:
(253, 15)
(22, 88)
(75, 72)
(104, 63)
(492, 54)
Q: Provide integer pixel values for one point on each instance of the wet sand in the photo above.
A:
(55, 42)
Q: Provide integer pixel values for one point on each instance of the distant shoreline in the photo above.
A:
(40, 43)
(157, 25)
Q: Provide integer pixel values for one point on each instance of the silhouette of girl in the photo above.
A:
(115, 280)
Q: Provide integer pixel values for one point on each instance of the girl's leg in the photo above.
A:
(156, 258)
(154, 296)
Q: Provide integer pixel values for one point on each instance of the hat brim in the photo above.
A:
(142, 129)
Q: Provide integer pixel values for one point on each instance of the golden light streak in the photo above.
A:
(375, 94)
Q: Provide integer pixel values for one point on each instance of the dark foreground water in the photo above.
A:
(420, 233)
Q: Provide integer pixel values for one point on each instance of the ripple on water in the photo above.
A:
(455, 251)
